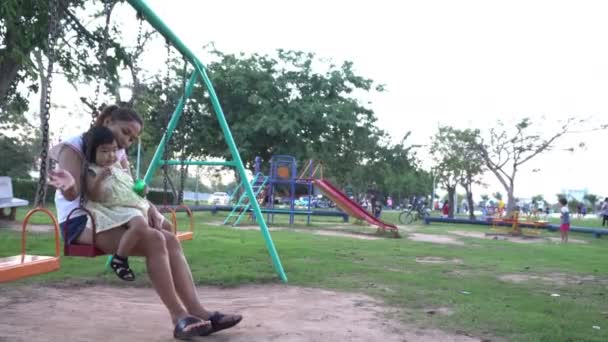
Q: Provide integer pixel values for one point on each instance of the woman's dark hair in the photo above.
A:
(93, 138)
(563, 201)
(120, 112)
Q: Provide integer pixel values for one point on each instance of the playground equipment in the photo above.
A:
(199, 72)
(25, 265)
(283, 173)
(597, 232)
(181, 235)
(241, 208)
(236, 162)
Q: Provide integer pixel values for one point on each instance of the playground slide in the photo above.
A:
(348, 206)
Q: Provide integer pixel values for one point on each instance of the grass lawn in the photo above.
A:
(482, 305)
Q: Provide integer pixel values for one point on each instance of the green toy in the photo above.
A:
(140, 187)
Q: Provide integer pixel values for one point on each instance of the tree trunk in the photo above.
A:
(510, 198)
(451, 192)
(471, 205)
(9, 68)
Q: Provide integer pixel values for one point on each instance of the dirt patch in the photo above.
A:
(31, 228)
(271, 313)
(437, 260)
(559, 240)
(328, 232)
(439, 311)
(434, 238)
(561, 279)
(340, 234)
(516, 239)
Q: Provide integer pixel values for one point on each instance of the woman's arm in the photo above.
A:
(67, 177)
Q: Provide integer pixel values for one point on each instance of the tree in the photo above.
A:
(274, 105)
(448, 166)
(17, 155)
(592, 200)
(497, 195)
(508, 149)
(459, 161)
(24, 28)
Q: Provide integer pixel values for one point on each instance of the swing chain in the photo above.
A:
(103, 56)
(53, 26)
(183, 166)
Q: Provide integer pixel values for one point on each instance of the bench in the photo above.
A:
(8, 201)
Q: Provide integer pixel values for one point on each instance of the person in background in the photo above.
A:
(564, 226)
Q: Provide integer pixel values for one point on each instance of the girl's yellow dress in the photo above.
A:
(121, 203)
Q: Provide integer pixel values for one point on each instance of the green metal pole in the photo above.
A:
(170, 128)
(163, 29)
(241, 169)
(196, 162)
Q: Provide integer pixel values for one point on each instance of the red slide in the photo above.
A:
(349, 206)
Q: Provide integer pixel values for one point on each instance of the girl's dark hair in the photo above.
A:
(93, 138)
(563, 201)
(120, 112)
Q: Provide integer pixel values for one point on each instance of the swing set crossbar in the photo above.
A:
(200, 71)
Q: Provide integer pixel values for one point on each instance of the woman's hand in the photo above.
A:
(61, 179)
(155, 218)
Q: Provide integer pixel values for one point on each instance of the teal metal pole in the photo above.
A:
(163, 29)
(241, 169)
(170, 128)
(138, 158)
(195, 162)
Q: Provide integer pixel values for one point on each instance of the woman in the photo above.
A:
(165, 261)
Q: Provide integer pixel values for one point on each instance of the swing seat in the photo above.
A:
(26, 265)
(185, 235)
(81, 250)
(180, 235)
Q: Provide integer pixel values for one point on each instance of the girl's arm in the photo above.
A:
(95, 191)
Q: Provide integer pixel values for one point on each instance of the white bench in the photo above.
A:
(7, 200)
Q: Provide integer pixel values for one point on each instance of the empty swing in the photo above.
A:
(26, 265)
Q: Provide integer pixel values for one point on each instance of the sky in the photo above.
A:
(459, 63)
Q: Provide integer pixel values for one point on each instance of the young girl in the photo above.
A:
(110, 197)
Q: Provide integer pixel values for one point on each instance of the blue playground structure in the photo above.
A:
(282, 178)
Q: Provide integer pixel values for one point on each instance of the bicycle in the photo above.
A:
(410, 214)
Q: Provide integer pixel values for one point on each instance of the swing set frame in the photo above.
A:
(199, 74)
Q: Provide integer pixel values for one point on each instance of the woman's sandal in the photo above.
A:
(120, 265)
(181, 333)
(220, 321)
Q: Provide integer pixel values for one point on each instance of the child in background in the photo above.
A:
(604, 212)
(446, 209)
(564, 226)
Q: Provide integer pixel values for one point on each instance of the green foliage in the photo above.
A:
(457, 161)
(280, 105)
(24, 28)
(592, 200)
(17, 156)
(538, 199)
(26, 189)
